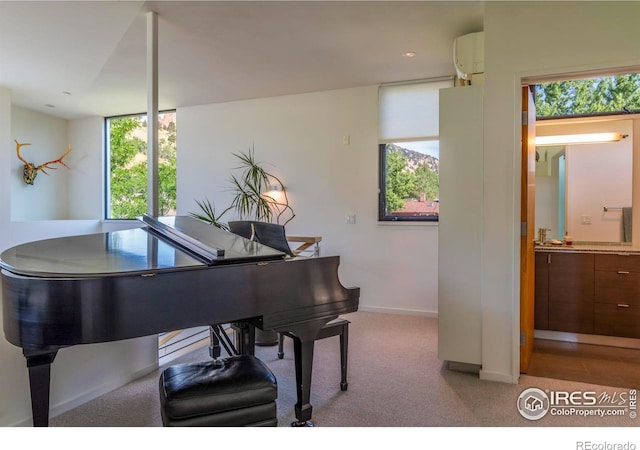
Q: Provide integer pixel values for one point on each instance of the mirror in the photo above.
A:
(585, 190)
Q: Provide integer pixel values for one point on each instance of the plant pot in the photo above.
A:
(266, 338)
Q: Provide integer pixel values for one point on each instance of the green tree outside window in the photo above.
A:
(128, 168)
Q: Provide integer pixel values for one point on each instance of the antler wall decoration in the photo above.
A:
(31, 170)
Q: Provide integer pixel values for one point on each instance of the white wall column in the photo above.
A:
(152, 113)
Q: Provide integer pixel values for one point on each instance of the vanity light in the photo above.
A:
(588, 138)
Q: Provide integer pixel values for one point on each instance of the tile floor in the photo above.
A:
(596, 364)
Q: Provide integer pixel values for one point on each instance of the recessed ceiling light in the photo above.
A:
(409, 54)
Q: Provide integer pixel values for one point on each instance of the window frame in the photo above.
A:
(382, 184)
(408, 111)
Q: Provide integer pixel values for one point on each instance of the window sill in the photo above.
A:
(409, 223)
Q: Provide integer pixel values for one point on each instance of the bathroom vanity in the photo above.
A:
(590, 289)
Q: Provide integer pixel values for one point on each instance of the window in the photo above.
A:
(410, 175)
(610, 95)
(126, 190)
(409, 151)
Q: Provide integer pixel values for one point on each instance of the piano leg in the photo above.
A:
(39, 365)
(303, 351)
(304, 337)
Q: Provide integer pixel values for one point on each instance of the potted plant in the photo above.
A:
(208, 214)
(254, 199)
(254, 196)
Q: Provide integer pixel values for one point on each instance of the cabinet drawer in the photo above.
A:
(613, 320)
(617, 287)
(616, 262)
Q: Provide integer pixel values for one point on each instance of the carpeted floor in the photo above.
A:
(395, 380)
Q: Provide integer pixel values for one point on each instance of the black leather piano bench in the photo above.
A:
(238, 391)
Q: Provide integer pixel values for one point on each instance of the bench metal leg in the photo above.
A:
(280, 345)
(344, 346)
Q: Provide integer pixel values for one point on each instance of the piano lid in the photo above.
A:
(209, 243)
(138, 250)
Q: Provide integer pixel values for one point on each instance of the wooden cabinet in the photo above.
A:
(617, 295)
(569, 305)
(588, 293)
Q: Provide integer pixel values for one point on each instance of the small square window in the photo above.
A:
(409, 181)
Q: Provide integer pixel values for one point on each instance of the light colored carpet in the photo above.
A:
(395, 380)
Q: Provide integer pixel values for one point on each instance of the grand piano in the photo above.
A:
(171, 273)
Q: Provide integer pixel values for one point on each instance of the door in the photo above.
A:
(527, 220)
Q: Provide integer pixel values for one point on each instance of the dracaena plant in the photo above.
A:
(250, 197)
(208, 214)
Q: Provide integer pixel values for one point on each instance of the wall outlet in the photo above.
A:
(351, 219)
(585, 220)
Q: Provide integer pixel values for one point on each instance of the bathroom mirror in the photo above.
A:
(585, 190)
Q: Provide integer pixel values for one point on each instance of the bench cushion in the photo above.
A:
(216, 386)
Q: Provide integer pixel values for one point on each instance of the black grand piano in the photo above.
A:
(169, 274)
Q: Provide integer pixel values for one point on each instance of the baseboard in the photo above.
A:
(497, 376)
(406, 312)
(92, 394)
(594, 339)
(98, 391)
(463, 367)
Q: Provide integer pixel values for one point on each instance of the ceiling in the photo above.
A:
(84, 58)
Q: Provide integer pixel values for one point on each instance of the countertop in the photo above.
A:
(590, 247)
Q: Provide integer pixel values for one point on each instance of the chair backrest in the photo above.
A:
(269, 234)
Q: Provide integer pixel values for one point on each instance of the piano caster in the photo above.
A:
(302, 423)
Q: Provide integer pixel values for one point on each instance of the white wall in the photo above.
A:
(527, 39)
(83, 372)
(86, 178)
(74, 193)
(300, 138)
(47, 197)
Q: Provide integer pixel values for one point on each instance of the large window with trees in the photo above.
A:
(409, 156)
(126, 190)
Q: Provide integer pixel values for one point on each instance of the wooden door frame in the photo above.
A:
(527, 220)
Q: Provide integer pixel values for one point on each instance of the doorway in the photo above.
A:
(571, 356)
